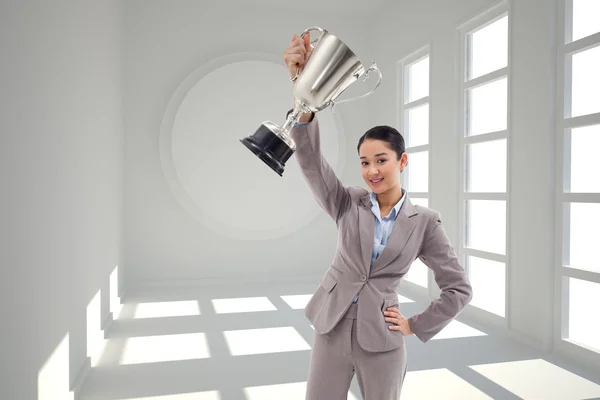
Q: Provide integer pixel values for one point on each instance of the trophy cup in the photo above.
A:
(331, 68)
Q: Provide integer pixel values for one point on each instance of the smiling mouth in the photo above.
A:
(376, 181)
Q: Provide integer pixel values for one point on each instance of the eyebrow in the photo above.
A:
(377, 155)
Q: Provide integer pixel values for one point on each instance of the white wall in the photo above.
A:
(531, 240)
(406, 26)
(166, 46)
(61, 181)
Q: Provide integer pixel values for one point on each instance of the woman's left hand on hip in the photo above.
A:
(394, 316)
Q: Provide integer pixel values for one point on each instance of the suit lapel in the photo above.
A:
(401, 231)
(366, 223)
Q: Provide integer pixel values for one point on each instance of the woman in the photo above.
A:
(359, 328)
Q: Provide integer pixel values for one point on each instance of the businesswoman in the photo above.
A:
(359, 327)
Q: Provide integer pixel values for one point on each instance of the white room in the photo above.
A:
(147, 254)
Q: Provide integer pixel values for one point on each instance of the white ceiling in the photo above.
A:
(355, 7)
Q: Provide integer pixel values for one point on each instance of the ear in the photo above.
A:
(403, 161)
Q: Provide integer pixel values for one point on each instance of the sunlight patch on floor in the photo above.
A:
(161, 348)
(539, 379)
(439, 384)
(241, 305)
(287, 391)
(456, 329)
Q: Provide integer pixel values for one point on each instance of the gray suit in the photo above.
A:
(418, 232)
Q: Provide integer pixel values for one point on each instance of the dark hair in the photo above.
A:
(387, 134)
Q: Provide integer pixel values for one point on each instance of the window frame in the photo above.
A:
(484, 19)
(413, 57)
(566, 48)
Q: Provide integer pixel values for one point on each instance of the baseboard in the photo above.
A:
(526, 340)
(500, 326)
(578, 353)
(80, 379)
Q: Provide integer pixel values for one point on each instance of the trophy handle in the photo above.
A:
(363, 78)
(312, 28)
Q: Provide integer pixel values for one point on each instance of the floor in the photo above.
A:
(253, 342)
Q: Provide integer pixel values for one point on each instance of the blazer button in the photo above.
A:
(363, 278)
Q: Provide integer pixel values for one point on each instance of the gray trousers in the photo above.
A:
(335, 358)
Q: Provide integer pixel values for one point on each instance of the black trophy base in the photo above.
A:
(269, 147)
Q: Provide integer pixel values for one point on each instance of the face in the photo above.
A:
(379, 165)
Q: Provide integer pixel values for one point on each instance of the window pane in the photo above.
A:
(418, 171)
(417, 273)
(585, 90)
(488, 49)
(586, 18)
(487, 108)
(584, 318)
(488, 279)
(417, 125)
(585, 163)
(486, 168)
(417, 80)
(420, 201)
(585, 220)
(486, 225)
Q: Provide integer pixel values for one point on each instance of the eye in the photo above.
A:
(382, 161)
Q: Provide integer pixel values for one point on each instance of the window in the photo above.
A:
(413, 117)
(484, 153)
(578, 204)
(584, 19)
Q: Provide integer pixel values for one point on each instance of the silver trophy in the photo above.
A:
(331, 68)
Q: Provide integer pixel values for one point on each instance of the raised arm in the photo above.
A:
(456, 292)
(327, 189)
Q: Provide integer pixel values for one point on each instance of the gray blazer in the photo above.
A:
(418, 232)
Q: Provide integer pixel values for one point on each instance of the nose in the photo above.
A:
(373, 172)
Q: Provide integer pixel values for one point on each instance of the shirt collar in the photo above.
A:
(395, 210)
